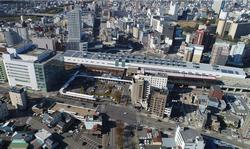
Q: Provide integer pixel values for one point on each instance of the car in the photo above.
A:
(125, 113)
(159, 120)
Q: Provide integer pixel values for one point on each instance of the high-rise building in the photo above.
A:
(3, 77)
(137, 90)
(199, 36)
(74, 29)
(158, 102)
(12, 37)
(74, 25)
(188, 54)
(218, 5)
(198, 50)
(189, 38)
(237, 52)
(3, 110)
(23, 33)
(18, 98)
(31, 67)
(220, 27)
(220, 53)
(237, 30)
(173, 10)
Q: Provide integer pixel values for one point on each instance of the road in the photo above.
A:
(125, 114)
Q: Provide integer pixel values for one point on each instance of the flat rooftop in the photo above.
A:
(170, 64)
(77, 110)
(35, 52)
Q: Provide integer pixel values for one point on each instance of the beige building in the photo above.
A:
(18, 98)
(220, 27)
(220, 53)
(198, 50)
(137, 90)
(188, 54)
(3, 110)
(158, 102)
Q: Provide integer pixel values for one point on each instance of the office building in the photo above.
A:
(44, 42)
(188, 139)
(218, 5)
(198, 50)
(3, 110)
(192, 52)
(238, 29)
(188, 54)
(3, 77)
(18, 98)
(189, 38)
(173, 10)
(220, 53)
(74, 25)
(33, 68)
(12, 37)
(74, 29)
(137, 90)
(23, 33)
(199, 36)
(237, 53)
(158, 102)
(220, 27)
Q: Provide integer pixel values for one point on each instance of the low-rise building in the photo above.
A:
(3, 110)
(18, 98)
(188, 139)
(216, 92)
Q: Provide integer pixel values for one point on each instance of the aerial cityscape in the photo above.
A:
(124, 74)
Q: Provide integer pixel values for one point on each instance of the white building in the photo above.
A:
(173, 10)
(188, 139)
(155, 65)
(18, 98)
(20, 70)
(42, 135)
(3, 110)
(155, 81)
(237, 52)
(31, 67)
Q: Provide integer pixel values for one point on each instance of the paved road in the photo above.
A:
(130, 116)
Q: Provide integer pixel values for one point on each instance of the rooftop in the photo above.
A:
(35, 52)
(76, 110)
(175, 65)
(42, 134)
(190, 135)
(16, 90)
